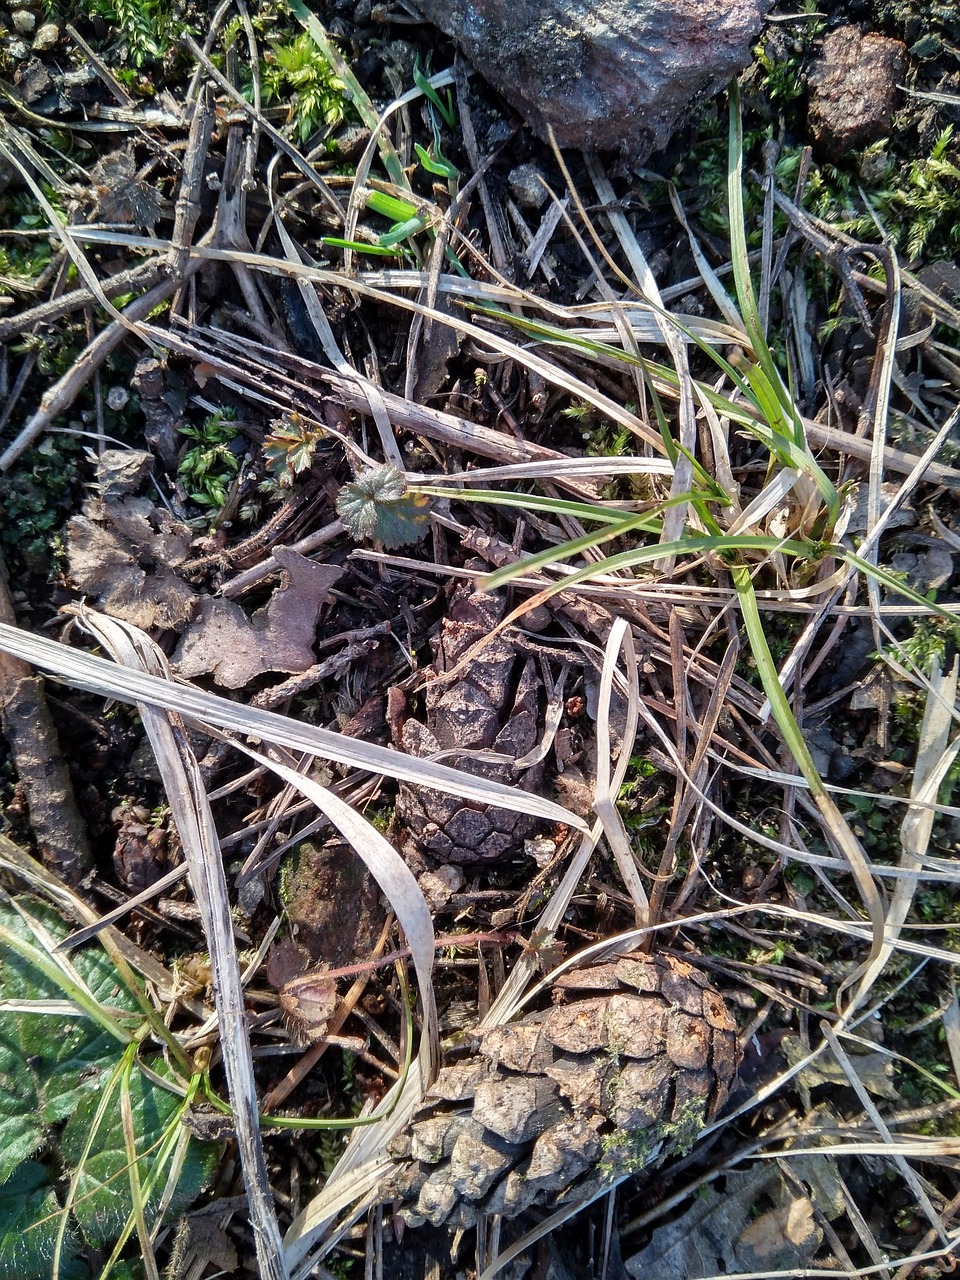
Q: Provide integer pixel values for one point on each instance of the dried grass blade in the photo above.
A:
(407, 902)
(725, 304)
(951, 1032)
(620, 641)
(878, 399)
(935, 755)
(324, 331)
(197, 831)
(893, 1145)
(96, 675)
(836, 829)
(395, 879)
(675, 518)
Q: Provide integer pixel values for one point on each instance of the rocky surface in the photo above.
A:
(603, 74)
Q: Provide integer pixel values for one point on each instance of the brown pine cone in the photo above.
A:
(626, 1072)
(493, 705)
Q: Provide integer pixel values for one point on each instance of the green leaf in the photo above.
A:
(358, 246)
(103, 1202)
(436, 164)
(48, 1061)
(377, 506)
(389, 206)
(403, 231)
(29, 1220)
(446, 109)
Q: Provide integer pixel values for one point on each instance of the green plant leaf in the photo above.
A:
(103, 1201)
(48, 1062)
(446, 109)
(436, 164)
(358, 246)
(378, 506)
(29, 1219)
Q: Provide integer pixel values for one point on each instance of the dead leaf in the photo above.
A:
(122, 471)
(123, 196)
(791, 1223)
(874, 1069)
(223, 641)
(308, 1004)
(125, 553)
(719, 1234)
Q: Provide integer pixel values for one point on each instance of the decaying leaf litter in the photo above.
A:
(644, 679)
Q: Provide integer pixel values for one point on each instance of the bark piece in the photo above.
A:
(27, 725)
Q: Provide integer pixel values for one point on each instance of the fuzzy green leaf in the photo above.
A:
(377, 507)
(103, 1199)
(29, 1221)
(48, 1061)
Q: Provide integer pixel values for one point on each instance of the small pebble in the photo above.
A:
(751, 877)
(24, 21)
(528, 191)
(118, 398)
(46, 37)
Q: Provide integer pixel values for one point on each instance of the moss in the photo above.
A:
(628, 1153)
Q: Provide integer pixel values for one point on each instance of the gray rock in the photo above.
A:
(606, 75)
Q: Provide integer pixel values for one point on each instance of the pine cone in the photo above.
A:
(624, 1073)
(493, 706)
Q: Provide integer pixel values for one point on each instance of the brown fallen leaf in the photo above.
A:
(792, 1223)
(125, 553)
(717, 1234)
(224, 642)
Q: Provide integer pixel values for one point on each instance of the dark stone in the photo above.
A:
(605, 75)
(855, 94)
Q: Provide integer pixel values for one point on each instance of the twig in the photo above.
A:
(143, 274)
(101, 68)
(55, 817)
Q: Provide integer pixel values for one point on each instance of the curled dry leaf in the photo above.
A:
(720, 1232)
(308, 1003)
(125, 553)
(236, 649)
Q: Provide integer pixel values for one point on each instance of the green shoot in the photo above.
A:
(207, 470)
(446, 108)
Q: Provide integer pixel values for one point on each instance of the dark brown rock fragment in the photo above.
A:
(855, 94)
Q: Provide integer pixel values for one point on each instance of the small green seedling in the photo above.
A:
(206, 470)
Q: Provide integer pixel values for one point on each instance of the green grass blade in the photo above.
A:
(531, 501)
(75, 992)
(644, 555)
(835, 826)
